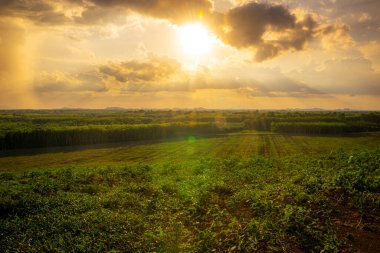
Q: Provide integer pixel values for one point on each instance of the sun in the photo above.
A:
(196, 39)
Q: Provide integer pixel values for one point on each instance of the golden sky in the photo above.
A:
(225, 54)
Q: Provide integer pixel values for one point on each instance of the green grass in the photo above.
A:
(235, 193)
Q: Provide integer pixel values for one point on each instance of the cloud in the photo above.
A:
(362, 16)
(62, 82)
(372, 52)
(355, 76)
(282, 86)
(349, 76)
(146, 71)
(266, 29)
(269, 29)
(247, 24)
(50, 12)
(39, 11)
(172, 10)
(154, 75)
(96, 15)
(166, 75)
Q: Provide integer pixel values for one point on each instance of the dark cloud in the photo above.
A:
(267, 29)
(246, 25)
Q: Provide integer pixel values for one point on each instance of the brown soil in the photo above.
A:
(360, 231)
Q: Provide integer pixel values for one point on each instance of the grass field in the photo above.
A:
(240, 192)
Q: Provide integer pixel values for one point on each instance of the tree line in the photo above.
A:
(323, 127)
(48, 128)
(67, 136)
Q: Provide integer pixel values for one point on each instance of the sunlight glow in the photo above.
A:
(195, 39)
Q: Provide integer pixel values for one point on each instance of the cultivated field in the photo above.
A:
(186, 149)
(232, 191)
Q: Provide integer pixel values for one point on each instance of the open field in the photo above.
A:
(238, 189)
(186, 149)
(240, 192)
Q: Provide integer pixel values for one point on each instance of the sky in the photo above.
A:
(216, 54)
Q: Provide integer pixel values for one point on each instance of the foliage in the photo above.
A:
(21, 129)
(323, 127)
(223, 205)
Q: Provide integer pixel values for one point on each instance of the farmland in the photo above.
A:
(186, 149)
(240, 186)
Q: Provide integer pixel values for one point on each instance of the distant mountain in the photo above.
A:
(115, 109)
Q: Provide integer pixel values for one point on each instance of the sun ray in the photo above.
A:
(195, 39)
